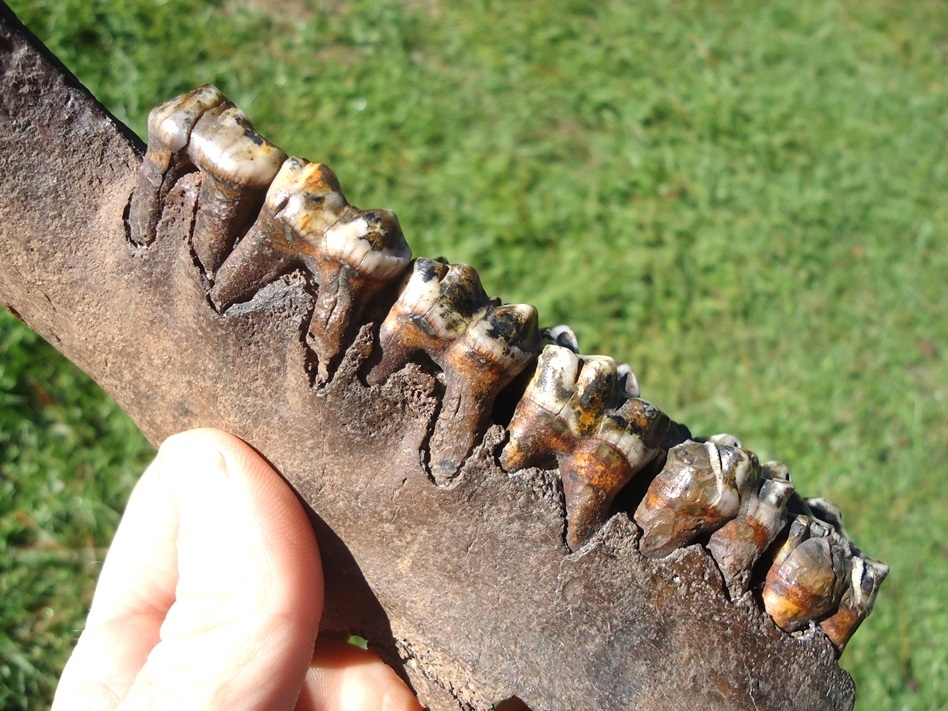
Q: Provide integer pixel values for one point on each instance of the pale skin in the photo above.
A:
(210, 598)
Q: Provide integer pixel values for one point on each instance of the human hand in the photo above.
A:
(210, 598)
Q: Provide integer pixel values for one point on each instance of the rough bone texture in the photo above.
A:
(469, 591)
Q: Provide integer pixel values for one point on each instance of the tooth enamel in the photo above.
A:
(170, 126)
(810, 572)
(237, 165)
(857, 600)
(701, 487)
(306, 221)
(574, 409)
(444, 312)
(739, 543)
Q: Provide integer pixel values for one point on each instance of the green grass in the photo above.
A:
(748, 204)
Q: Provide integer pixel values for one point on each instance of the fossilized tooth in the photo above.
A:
(303, 201)
(444, 313)
(237, 165)
(305, 220)
(724, 439)
(575, 409)
(169, 132)
(857, 600)
(701, 487)
(739, 543)
(810, 572)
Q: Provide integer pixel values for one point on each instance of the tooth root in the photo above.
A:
(701, 487)
(857, 600)
(237, 165)
(575, 408)
(444, 313)
(739, 543)
(169, 132)
(361, 254)
(809, 581)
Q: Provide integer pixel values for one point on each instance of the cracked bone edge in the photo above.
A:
(444, 313)
(701, 487)
(575, 408)
(237, 166)
(169, 132)
(739, 543)
(809, 576)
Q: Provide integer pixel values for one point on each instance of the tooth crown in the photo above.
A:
(170, 124)
(810, 572)
(224, 138)
(739, 543)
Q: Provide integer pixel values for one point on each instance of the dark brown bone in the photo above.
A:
(469, 591)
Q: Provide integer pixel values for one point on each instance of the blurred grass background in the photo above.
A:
(746, 203)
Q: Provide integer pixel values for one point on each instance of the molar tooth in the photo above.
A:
(808, 577)
(739, 543)
(302, 201)
(237, 165)
(362, 252)
(857, 600)
(701, 487)
(169, 132)
(480, 347)
(305, 220)
(575, 409)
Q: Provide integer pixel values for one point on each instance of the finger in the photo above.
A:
(211, 594)
(343, 677)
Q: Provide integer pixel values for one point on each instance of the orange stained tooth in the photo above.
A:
(857, 600)
(575, 409)
(739, 543)
(480, 346)
(808, 584)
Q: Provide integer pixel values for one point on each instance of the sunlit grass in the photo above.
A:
(747, 203)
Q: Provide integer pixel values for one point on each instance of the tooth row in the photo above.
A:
(261, 215)
(444, 314)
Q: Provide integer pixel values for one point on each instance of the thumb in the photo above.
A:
(211, 593)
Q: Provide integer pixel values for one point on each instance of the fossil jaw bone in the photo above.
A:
(575, 409)
(306, 220)
(203, 130)
(480, 346)
(702, 486)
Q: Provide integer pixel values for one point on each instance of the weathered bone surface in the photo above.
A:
(477, 591)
